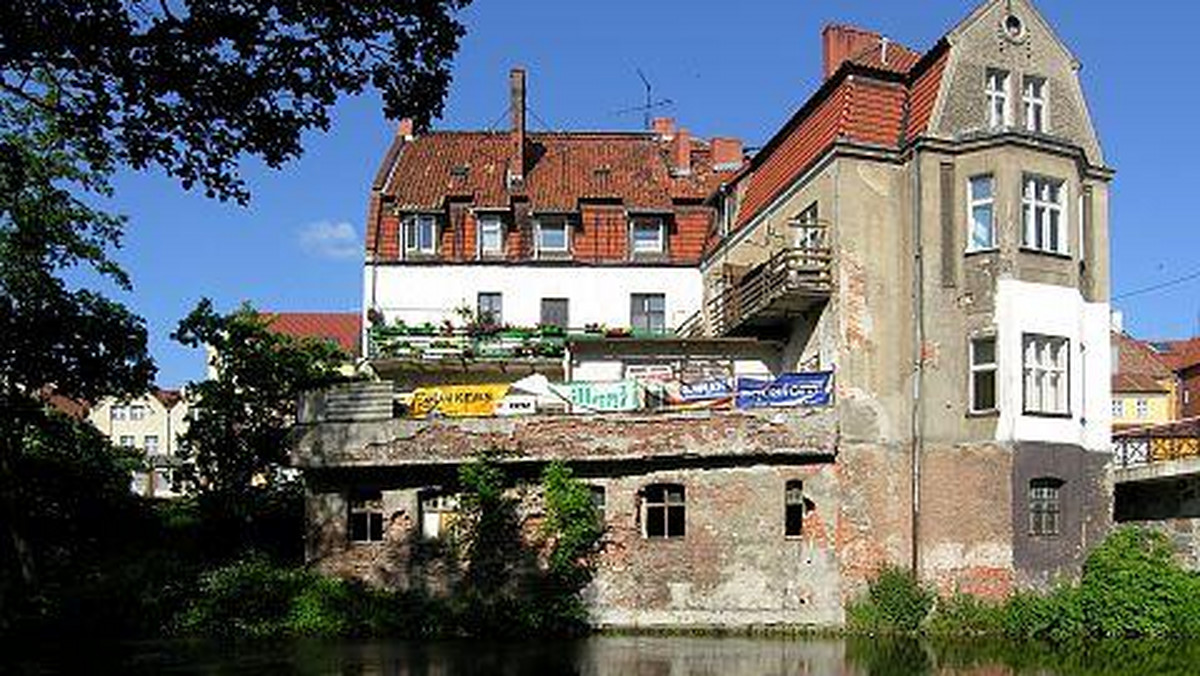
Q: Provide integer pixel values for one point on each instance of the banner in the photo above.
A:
(585, 397)
(789, 389)
(457, 401)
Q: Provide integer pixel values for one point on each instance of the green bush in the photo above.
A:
(895, 603)
(1131, 586)
(965, 615)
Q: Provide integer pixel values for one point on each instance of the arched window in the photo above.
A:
(793, 508)
(1045, 508)
(663, 511)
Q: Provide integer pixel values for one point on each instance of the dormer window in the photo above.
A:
(1033, 99)
(553, 239)
(999, 116)
(649, 236)
(491, 235)
(420, 235)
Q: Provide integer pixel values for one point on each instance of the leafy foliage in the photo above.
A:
(236, 442)
(191, 86)
(896, 602)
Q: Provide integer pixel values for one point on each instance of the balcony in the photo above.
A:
(762, 301)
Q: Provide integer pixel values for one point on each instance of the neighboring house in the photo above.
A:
(1144, 389)
(342, 328)
(151, 424)
(928, 233)
(1183, 357)
(522, 228)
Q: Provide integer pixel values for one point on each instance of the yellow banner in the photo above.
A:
(457, 401)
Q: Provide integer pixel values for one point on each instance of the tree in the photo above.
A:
(193, 85)
(236, 443)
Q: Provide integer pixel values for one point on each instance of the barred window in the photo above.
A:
(1045, 509)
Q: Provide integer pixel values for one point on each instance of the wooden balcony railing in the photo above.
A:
(789, 281)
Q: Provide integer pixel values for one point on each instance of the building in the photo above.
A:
(521, 228)
(901, 355)
(1145, 391)
(1183, 357)
(151, 424)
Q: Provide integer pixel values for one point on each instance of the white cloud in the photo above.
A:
(325, 239)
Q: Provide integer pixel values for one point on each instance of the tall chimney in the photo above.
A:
(841, 43)
(664, 128)
(405, 129)
(516, 167)
(681, 153)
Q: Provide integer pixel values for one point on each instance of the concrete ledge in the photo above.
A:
(1157, 471)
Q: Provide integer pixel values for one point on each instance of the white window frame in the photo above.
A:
(119, 413)
(127, 441)
(995, 84)
(1046, 371)
(644, 223)
(972, 204)
(1141, 408)
(410, 233)
(1118, 408)
(557, 221)
(977, 367)
(1037, 215)
(484, 223)
(137, 412)
(150, 448)
(1045, 506)
(1034, 104)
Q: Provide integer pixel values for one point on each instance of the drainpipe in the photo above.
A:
(918, 293)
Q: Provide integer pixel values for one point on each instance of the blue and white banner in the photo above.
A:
(705, 389)
(789, 389)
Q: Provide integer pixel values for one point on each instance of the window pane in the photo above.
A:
(981, 188)
(794, 520)
(554, 312)
(981, 226)
(490, 237)
(984, 351)
(490, 311)
(985, 391)
(675, 521)
(553, 236)
(647, 236)
(656, 522)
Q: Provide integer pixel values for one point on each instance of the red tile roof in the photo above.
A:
(344, 328)
(1139, 367)
(168, 398)
(1179, 354)
(866, 101)
(564, 168)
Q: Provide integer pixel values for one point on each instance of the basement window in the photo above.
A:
(366, 517)
(793, 508)
(663, 511)
(1045, 508)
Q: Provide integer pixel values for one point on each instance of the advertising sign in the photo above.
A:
(789, 389)
(585, 397)
(457, 401)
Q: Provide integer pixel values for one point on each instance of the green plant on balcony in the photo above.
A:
(551, 331)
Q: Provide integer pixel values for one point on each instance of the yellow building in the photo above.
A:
(1144, 390)
(151, 424)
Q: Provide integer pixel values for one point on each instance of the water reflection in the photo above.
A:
(605, 656)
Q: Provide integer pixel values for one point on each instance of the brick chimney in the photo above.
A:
(663, 127)
(726, 153)
(516, 165)
(405, 129)
(840, 43)
(681, 153)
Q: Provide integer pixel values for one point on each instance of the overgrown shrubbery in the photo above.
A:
(1131, 587)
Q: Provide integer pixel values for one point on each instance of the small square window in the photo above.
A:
(150, 443)
(137, 412)
(555, 312)
(552, 236)
(648, 236)
(119, 413)
(1143, 409)
(1118, 408)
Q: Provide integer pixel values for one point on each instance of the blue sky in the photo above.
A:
(731, 69)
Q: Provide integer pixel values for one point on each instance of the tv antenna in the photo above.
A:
(650, 103)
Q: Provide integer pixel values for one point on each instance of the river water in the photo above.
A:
(601, 656)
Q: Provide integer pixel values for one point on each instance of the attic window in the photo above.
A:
(460, 170)
(1014, 28)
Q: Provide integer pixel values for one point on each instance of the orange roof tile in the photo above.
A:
(344, 328)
